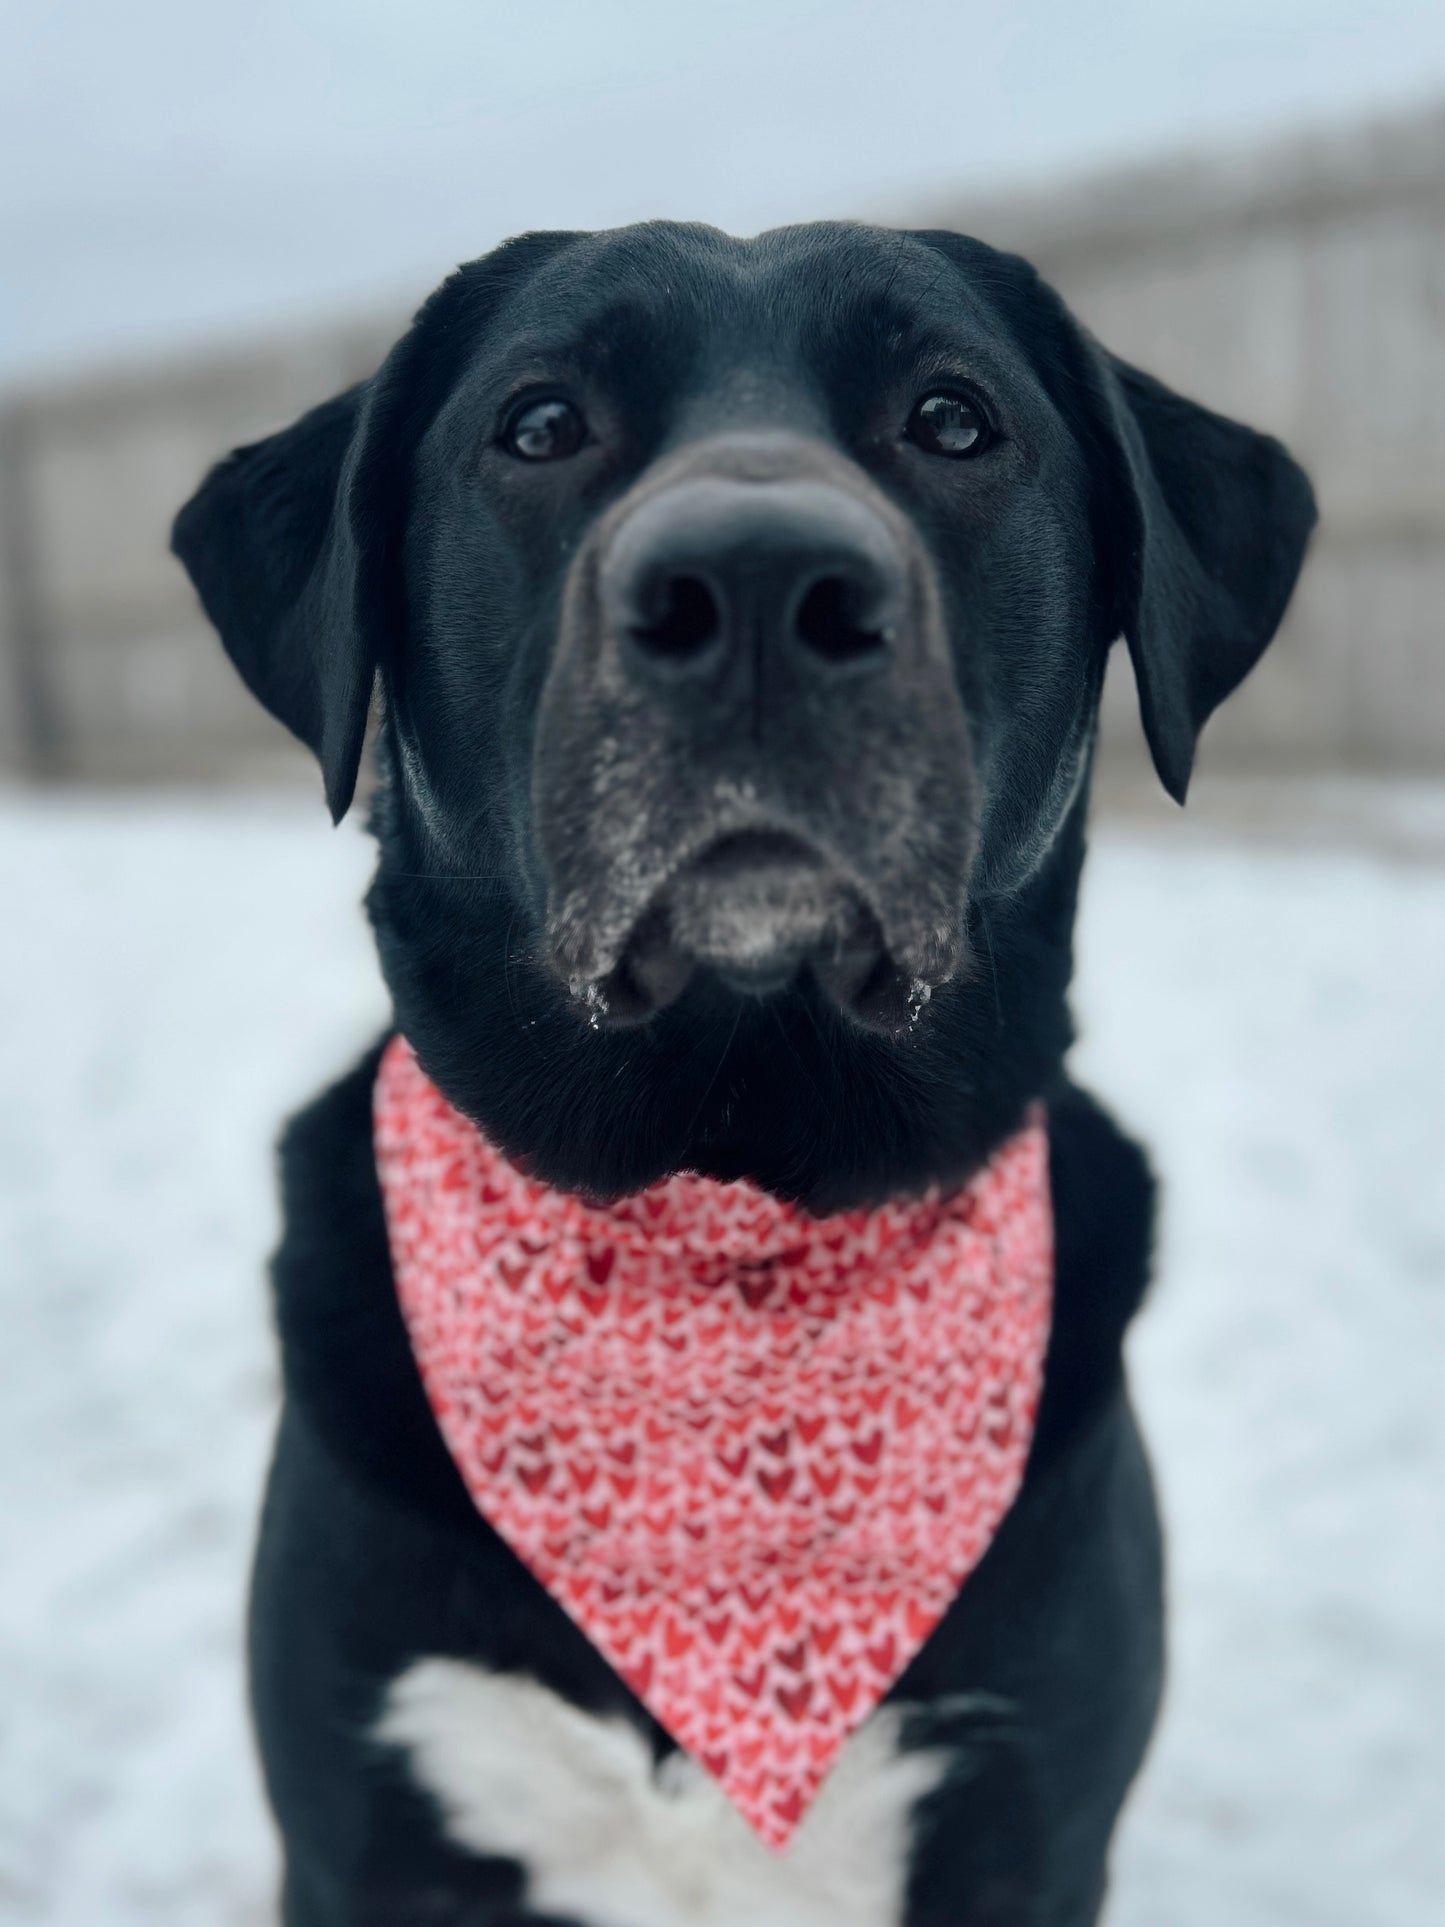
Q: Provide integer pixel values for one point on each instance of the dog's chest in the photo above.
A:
(608, 1838)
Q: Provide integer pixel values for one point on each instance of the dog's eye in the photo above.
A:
(945, 424)
(545, 431)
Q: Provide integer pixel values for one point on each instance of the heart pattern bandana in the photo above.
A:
(753, 1453)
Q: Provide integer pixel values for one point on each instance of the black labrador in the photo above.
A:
(739, 611)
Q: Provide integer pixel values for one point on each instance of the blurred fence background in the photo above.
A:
(1299, 286)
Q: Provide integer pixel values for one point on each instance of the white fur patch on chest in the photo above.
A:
(613, 1840)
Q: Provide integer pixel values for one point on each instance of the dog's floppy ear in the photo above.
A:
(1201, 523)
(289, 557)
(294, 543)
(1215, 520)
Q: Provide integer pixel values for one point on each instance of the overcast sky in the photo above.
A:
(181, 169)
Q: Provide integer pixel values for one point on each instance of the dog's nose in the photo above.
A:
(717, 575)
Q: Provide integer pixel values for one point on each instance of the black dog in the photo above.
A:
(740, 610)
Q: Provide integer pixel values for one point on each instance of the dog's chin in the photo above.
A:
(758, 912)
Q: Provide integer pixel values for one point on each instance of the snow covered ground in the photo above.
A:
(175, 975)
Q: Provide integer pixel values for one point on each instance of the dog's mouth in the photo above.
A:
(758, 909)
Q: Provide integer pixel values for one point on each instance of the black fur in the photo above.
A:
(385, 538)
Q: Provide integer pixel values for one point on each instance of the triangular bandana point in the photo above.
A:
(753, 1454)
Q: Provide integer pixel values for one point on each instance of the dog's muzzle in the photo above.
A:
(751, 754)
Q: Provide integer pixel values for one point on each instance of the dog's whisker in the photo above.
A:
(449, 876)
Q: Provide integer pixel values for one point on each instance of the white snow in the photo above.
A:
(176, 974)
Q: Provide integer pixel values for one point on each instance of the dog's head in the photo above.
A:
(740, 610)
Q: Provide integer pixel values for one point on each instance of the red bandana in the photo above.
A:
(754, 1454)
